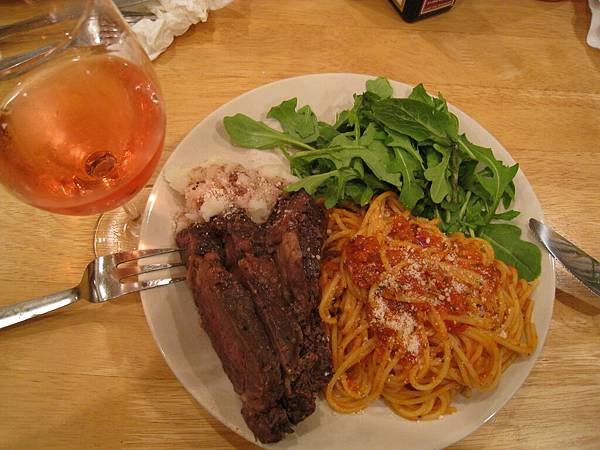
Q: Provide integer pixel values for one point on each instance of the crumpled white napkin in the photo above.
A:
(173, 18)
(593, 37)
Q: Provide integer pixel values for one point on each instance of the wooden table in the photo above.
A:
(91, 376)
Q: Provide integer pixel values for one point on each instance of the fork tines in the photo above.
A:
(132, 255)
(130, 270)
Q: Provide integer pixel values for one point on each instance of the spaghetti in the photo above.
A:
(415, 316)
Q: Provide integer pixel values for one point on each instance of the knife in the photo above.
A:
(583, 267)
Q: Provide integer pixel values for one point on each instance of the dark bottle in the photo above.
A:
(412, 10)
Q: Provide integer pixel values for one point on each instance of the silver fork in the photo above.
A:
(102, 280)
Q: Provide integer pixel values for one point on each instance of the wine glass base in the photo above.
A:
(119, 230)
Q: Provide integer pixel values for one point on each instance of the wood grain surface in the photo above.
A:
(91, 376)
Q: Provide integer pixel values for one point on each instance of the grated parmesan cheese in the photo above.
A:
(417, 281)
(403, 323)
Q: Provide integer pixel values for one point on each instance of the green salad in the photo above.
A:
(408, 145)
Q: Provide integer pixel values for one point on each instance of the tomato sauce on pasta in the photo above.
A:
(415, 316)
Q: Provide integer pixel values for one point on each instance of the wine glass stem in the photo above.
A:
(132, 226)
(119, 230)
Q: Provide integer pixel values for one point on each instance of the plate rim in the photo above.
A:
(189, 136)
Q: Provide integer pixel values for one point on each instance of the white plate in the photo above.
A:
(174, 322)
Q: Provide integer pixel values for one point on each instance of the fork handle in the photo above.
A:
(9, 315)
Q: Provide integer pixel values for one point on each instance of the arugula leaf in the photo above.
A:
(326, 134)
(354, 116)
(380, 87)
(369, 135)
(470, 182)
(311, 183)
(301, 124)
(409, 145)
(343, 150)
(415, 119)
(476, 214)
(441, 105)
(436, 172)
(343, 177)
(456, 159)
(251, 133)
(374, 183)
(366, 196)
(509, 194)
(358, 192)
(508, 247)
(354, 191)
(341, 119)
(397, 140)
(330, 185)
(378, 158)
(420, 94)
(501, 174)
(507, 215)
(358, 165)
(341, 140)
(404, 163)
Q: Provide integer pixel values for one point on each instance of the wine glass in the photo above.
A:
(82, 119)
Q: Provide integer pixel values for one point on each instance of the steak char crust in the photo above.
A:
(257, 291)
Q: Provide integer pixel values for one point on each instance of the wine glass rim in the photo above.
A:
(16, 65)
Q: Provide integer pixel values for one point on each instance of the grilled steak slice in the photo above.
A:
(252, 266)
(240, 236)
(245, 257)
(198, 240)
(228, 315)
(237, 335)
(257, 291)
(317, 341)
(269, 425)
(295, 231)
(259, 275)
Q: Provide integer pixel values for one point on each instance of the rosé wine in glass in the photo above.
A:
(82, 119)
(83, 136)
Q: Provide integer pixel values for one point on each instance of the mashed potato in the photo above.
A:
(253, 184)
